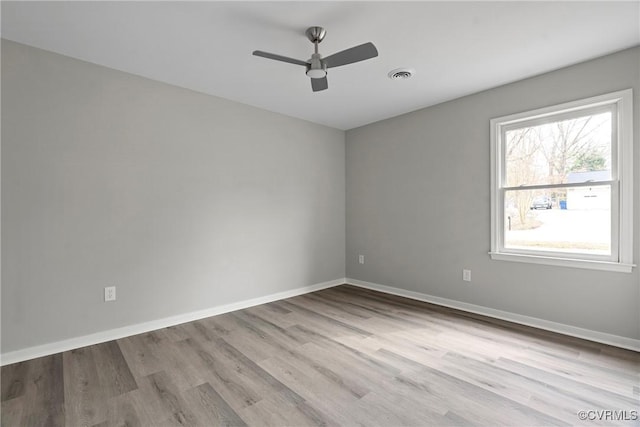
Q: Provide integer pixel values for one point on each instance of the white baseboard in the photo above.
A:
(125, 331)
(574, 331)
(113, 334)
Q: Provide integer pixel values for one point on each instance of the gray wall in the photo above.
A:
(418, 205)
(181, 200)
(186, 201)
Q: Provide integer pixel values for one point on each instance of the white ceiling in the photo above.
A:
(456, 48)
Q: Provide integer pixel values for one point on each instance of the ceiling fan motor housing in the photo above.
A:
(317, 69)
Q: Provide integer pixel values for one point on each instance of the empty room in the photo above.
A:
(327, 213)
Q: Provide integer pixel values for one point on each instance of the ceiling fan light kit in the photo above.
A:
(316, 66)
(316, 69)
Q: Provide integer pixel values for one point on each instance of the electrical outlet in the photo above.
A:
(361, 259)
(110, 293)
(466, 275)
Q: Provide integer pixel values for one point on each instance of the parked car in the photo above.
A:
(542, 202)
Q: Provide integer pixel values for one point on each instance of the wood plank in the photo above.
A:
(114, 374)
(83, 395)
(44, 399)
(12, 411)
(211, 408)
(13, 379)
(122, 411)
(166, 402)
(230, 380)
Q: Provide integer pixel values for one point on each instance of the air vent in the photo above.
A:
(400, 74)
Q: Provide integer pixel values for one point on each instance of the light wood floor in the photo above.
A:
(341, 356)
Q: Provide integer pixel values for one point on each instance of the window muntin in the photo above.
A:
(561, 184)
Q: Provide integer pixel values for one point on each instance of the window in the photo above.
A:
(561, 181)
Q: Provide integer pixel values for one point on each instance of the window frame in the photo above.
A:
(621, 183)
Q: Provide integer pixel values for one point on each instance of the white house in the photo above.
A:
(596, 197)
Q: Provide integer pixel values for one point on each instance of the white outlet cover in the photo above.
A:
(110, 293)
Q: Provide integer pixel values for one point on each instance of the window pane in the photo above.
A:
(574, 219)
(559, 152)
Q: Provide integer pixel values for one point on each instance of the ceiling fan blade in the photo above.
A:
(279, 58)
(319, 84)
(349, 56)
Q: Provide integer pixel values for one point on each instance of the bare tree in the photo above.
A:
(522, 148)
(563, 143)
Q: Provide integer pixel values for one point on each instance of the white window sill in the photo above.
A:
(564, 262)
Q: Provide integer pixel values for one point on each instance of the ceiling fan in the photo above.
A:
(317, 65)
